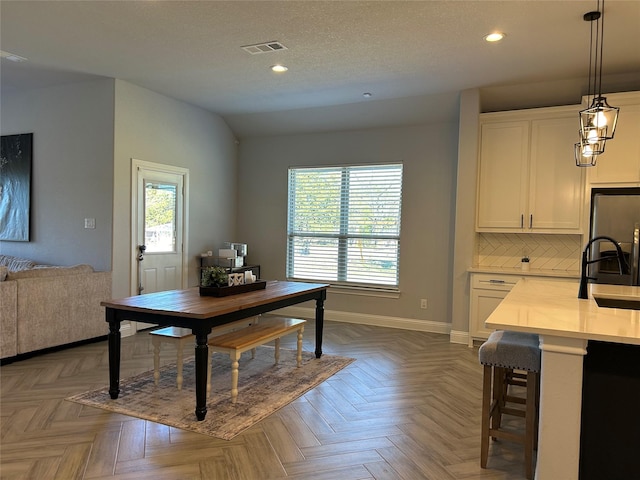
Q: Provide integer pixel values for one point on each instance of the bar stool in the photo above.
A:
(510, 358)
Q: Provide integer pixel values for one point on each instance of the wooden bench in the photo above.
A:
(268, 328)
(179, 337)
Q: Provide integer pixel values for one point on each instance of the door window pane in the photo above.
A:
(160, 217)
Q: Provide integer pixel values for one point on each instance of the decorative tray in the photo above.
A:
(225, 291)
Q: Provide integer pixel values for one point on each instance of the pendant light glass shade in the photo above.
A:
(598, 122)
(584, 154)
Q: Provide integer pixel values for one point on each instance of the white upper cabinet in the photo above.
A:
(528, 180)
(620, 162)
(556, 185)
(504, 153)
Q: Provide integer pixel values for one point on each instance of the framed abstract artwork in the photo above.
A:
(15, 186)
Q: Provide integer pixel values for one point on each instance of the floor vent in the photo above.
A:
(264, 47)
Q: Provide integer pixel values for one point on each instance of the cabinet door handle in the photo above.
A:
(522, 220)
(531, 221)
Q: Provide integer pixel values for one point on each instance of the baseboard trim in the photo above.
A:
(35, 353)
(366, 319)
(458, 336)
(126, 329)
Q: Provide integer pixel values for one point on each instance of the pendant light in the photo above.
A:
(598, 122)
(585, 155)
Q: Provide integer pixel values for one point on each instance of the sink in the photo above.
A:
(625, 303)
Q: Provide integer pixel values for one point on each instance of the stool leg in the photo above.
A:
(253, 353)
(299, 354)
(156, 359)
(179, 363)
(486, 412)
(537, 425)
(499, 394)
(277, 350)
(235, 357)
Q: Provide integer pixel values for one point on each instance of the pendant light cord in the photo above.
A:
(596, 51)
(589, 91)
(600, 37)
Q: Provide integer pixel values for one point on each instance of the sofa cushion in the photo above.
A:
(15, 264)
(50, 272)
(8, 319)
(3, 273)
(61, 309)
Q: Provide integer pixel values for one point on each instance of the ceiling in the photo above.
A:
(413, 57)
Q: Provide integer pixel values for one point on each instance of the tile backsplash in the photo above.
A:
(546, 252)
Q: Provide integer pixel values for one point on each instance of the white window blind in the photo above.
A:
(344, 224)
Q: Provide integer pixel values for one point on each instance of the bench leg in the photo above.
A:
(156, 359)
(277, 350)
(299, 354)
(180, 348)
(253, 353)
(235, 357)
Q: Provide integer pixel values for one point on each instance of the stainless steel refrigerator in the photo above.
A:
(615, 213)
(609, 433)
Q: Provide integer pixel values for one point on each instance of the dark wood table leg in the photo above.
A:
(319, 322)
(114, 353)
(202, 357)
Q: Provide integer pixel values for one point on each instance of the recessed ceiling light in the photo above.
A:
(12, 56)
(279, 68)
(494, 37)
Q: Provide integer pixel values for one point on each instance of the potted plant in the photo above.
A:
(214, 277)
(214, 282)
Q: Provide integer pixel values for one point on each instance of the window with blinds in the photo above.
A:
(344, 225)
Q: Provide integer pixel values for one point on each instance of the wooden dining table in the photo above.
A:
(188, 309)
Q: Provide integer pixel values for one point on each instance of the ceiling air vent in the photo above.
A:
(265, 47)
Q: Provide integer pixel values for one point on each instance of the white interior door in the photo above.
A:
(158, 232)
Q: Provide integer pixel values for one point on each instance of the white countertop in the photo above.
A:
(552, 307)
(534, 272)
(618, 292)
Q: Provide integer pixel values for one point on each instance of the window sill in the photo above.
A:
(364, 291)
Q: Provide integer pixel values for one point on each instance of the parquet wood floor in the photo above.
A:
(408, 408)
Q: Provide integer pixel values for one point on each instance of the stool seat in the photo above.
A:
(515, 350)
(502, 354)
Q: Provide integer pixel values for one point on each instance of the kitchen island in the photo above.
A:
(565, 324)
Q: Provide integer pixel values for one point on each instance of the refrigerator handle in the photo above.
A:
(635, 256)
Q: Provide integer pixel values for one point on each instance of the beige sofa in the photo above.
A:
(48, 306)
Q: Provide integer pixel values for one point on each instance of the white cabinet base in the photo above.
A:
(560, 407)
(487, 291)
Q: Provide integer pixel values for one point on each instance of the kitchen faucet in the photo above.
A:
(584, 278)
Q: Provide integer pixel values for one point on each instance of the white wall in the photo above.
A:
(429, 154)
(72, 177)
(155, 128)
(465, 212)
